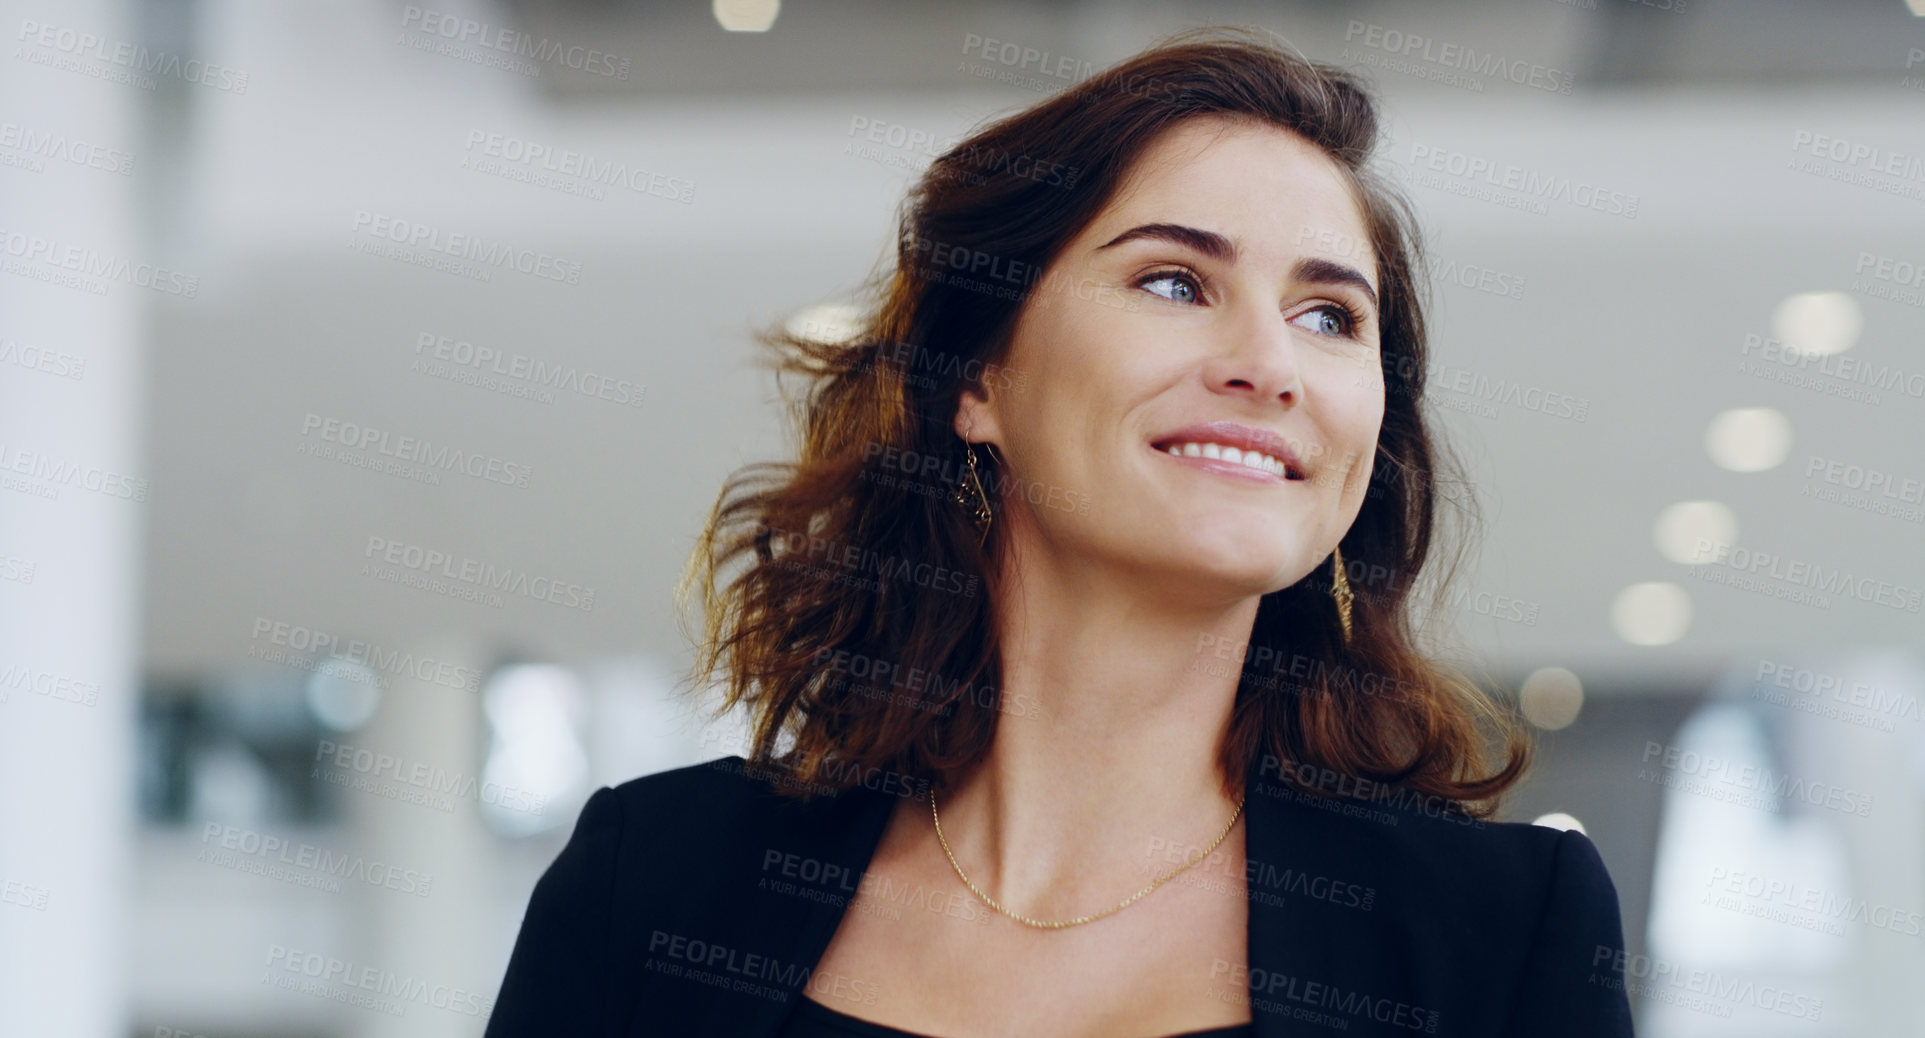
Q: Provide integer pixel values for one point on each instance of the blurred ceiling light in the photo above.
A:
(343, 694)
(827, 322)
(1560, 820)
(1684, 528)
(1749, 439)
(1656, 613)
(1551, 698)
(1917, 6)
(1818, 322)
(747, 15)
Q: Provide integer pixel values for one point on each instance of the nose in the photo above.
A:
(1257, 358)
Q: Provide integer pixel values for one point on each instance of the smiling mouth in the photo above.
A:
(1255, 461)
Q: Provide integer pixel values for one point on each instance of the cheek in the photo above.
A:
(1355, 439)
(1354, 412)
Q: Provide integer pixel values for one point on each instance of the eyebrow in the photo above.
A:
(1312, 269)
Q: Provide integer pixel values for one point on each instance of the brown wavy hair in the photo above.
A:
(856, 558)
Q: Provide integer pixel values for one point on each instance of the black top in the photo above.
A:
(812, 1019)
(698, 901)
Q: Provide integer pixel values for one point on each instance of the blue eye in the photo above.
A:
(1332, 320)
(1175, 277)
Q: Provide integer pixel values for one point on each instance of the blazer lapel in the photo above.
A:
(789, 921)
(1287, 936)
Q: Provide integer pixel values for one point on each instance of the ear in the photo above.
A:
(976, 417)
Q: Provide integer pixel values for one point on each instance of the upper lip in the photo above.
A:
(1242, 437)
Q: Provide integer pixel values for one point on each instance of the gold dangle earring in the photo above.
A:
(1340, 590)
(972, 488)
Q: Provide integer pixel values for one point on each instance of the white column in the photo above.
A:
(72, 487)
(438, 942)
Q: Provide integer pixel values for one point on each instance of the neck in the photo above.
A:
(1105, 756)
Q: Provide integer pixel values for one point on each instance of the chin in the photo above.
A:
(1241, 573)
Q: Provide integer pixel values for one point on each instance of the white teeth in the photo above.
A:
(1252, 459)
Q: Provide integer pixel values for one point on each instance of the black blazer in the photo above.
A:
(698, 901)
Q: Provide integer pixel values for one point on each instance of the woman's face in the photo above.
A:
(1225, 298)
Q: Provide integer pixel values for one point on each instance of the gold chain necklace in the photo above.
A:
(1047, 925)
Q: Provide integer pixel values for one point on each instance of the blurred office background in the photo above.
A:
(272, 695)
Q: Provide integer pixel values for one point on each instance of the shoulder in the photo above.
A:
(1517, 863)
(728, 795)
(1506, 875)
(658, 864)
(1498, 928)
(1427, 851)
(721, 825)
(727, 783)
(1534, 912)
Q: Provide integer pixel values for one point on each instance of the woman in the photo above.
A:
(1074, 714)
